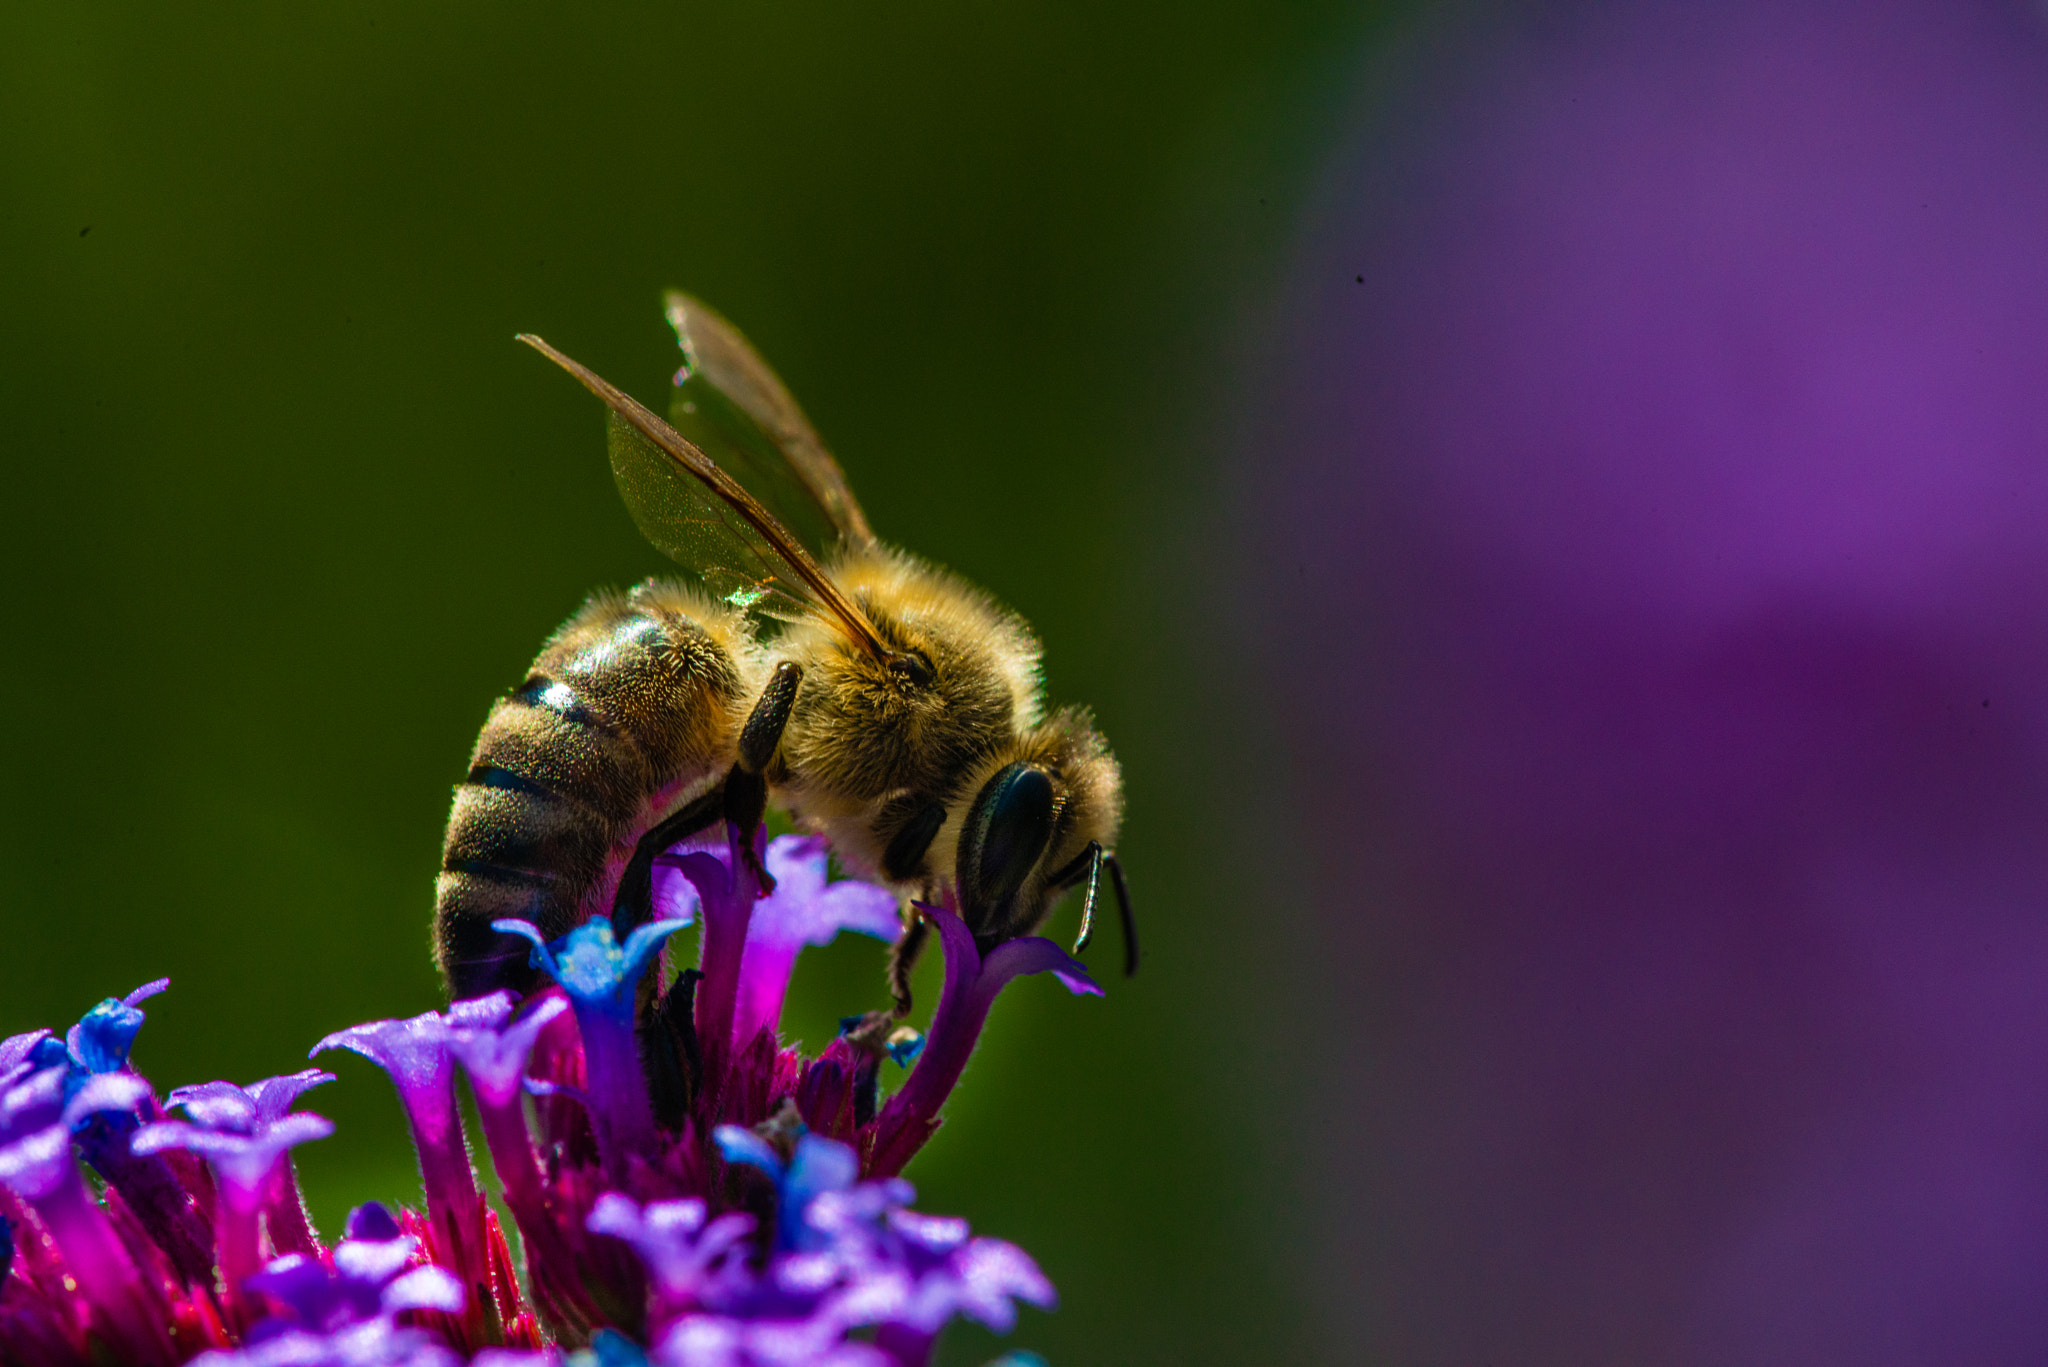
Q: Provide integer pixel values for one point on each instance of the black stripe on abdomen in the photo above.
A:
(496, 776)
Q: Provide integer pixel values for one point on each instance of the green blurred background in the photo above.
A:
(287, 508)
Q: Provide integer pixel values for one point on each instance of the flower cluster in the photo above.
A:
(686, 1191)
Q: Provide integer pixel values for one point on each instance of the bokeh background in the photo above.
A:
(1545, 499)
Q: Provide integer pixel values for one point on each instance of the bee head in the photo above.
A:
(1019, 834)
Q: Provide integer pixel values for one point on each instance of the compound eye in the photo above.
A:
(1004, 837)
(907, 847)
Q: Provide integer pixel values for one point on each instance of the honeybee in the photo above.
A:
(883, 702)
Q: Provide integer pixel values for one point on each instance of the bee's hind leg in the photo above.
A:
(669, 1054)
(633, 903)
(746, 787)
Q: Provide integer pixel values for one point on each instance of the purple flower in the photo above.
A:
(494, 1053)
(375, 1343)
(36, 1164)
(728, 888)
(924, 1269)
(416, 1054)
(634, 1233)
(722, 1341)
(601, 977)
(803, 910)
(971, 986)
(244, 1134)
(686, 1251)
(369, 1279)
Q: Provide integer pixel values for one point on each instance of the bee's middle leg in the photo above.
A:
(746, 787)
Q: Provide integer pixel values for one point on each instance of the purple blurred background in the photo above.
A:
(1651, 500)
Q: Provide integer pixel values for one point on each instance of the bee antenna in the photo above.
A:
(1123, 907)
(1093, 856)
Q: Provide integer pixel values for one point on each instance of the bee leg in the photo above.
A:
(902, 959)
(869, 1036)
(670, 1053)
(668, 1043)
(1123, 911)
(633, 903)
(746, 787)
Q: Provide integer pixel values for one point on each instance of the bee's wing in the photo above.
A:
(739, 412)
(699, 516)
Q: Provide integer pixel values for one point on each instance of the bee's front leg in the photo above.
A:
(746, 787)
(903, 957)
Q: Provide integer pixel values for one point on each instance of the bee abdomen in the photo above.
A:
(629, 700)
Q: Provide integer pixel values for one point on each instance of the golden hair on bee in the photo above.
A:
(862, 733)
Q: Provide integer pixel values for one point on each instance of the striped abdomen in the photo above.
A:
(632, 708)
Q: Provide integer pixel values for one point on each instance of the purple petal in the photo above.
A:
(496, 1059)
(705, 870)
(37, 1164)
(373, 1223)
(990, 1273)
(242, 1161)
(145, 992)
(424, 1288)
(877, 1297)
(300, 1282)
(484, 1013)
(797, 864)
(671, 1237)
(1080, 984)
(1032, 954)
(801, 911)
(217, 1106)
(675, 896)
(413, 1050)
(377, 1343)
(932, 1233)
(963, 959)
(374, 1260)
(105, 1092)
(15, 1049)
(33, 1102)
(274, 1095)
